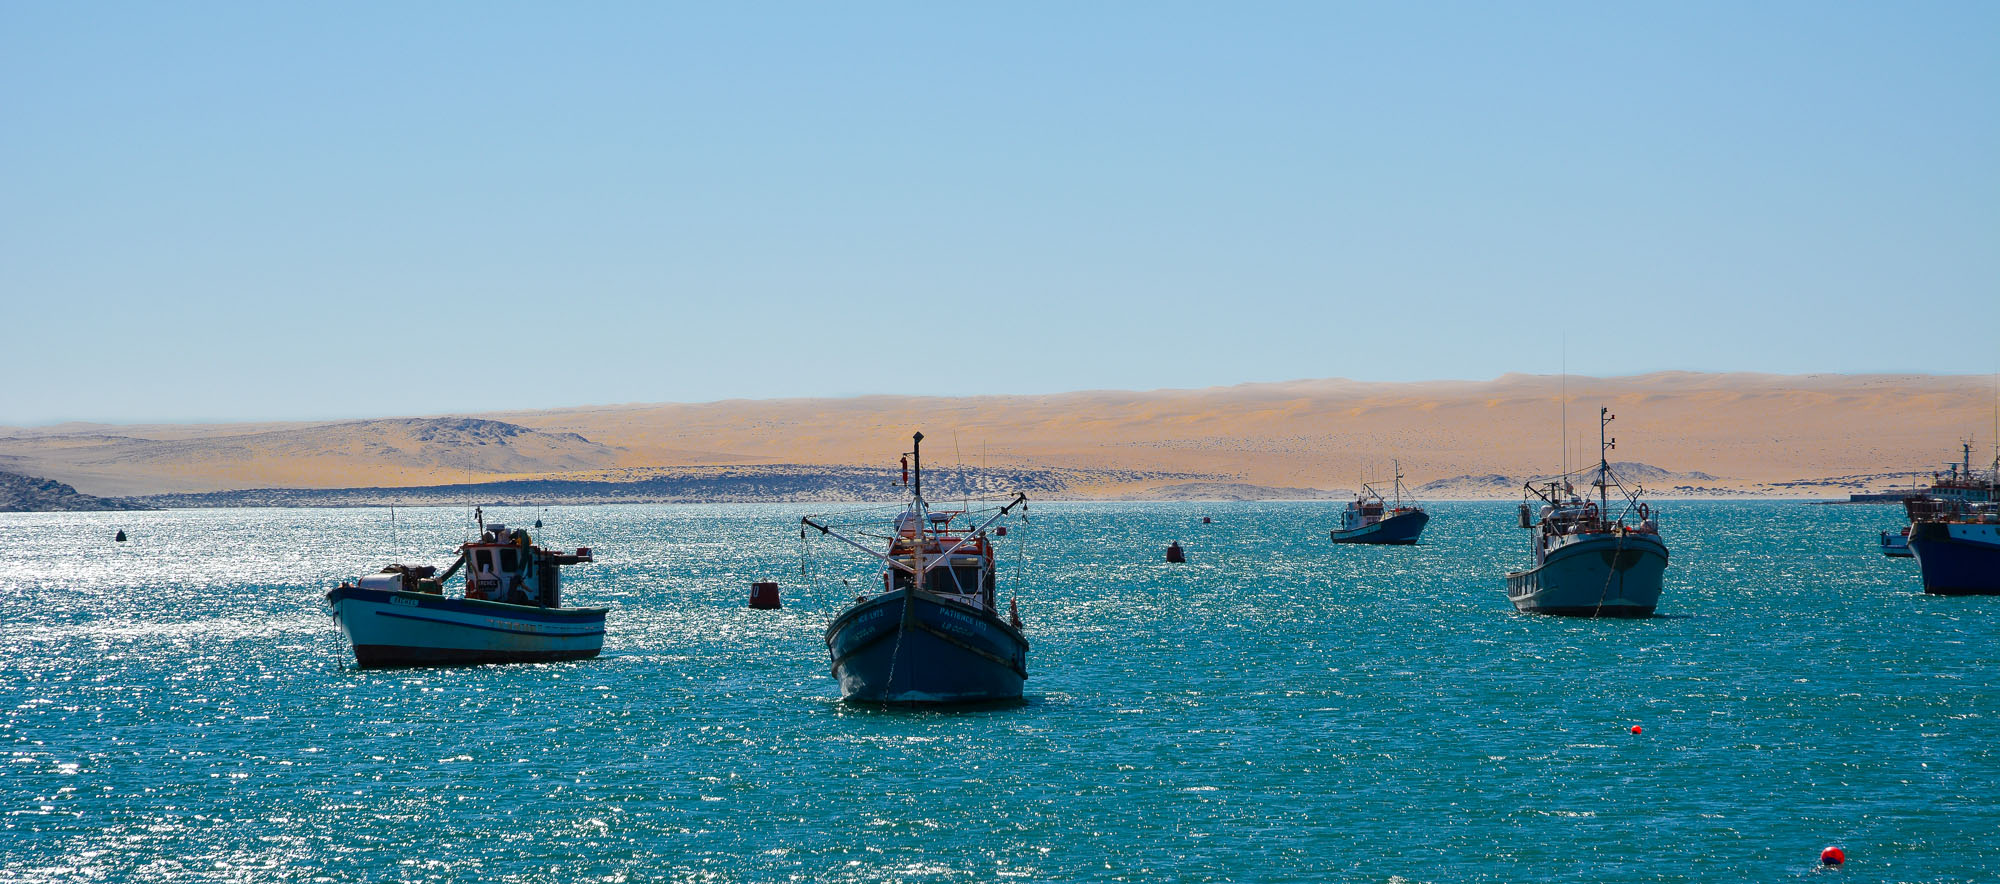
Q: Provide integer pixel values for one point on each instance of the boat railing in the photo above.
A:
(1933, 509)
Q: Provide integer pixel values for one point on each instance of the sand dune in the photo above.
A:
(1807, 435)
(400, 451)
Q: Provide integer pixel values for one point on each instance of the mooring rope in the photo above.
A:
(896, 653)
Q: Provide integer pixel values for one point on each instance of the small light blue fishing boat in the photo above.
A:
(1587, 562)
(1896, 546)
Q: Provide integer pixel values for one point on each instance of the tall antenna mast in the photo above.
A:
(1604, 419)
(923, 512)
(1565, 401)
(917, 460)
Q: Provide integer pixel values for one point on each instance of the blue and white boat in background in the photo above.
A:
(511, 610)
(1370, 518)
(1896, 545)
(1588, 563)
(933, 633)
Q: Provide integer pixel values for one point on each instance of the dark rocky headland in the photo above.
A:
(29, 494)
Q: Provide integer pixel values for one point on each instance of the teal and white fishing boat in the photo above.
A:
(511, 610)
(1588, 562)
(1371, 518)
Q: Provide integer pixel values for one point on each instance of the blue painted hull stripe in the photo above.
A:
(468, 606)
(489, 628)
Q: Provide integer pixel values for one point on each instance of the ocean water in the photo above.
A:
(181, 708)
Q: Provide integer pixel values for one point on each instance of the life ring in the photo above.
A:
(1590, 511)
(1645, 512)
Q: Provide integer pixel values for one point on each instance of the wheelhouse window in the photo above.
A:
(959, 580)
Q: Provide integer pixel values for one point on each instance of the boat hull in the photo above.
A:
(1957, 558)
(1401, 529)
(1607, 576)
(909, 647)
(1896, 546)
(392, 629)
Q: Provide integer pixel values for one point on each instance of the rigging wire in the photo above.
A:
(1021, 551)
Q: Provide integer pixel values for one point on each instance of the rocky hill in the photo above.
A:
(767, 483)
(1655, 479)
(392, 451)
(28, 494)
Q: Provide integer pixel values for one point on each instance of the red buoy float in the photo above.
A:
(1832, 856)
(764, 595)
(1637, 729)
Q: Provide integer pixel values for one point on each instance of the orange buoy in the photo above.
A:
(764, 595)
(1637, 729)
(1832, 856)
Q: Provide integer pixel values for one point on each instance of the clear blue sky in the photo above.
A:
(285, 210)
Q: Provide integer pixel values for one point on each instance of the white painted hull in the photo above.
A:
(390, 628)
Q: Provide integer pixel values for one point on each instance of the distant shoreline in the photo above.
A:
(815, 484)
(1685, 435)
(532, 503)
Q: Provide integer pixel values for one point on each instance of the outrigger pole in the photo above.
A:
(943, 556)
(1019, 498)
(917, 492)
(808, 522)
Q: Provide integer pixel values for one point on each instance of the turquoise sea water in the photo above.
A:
(181, 708)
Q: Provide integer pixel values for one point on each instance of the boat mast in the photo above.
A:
(917, 493)
(917, 457)
(1604, 419)
(1399, 481)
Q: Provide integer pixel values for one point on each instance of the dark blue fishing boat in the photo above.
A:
(1954, 530)
(1960, 554)
(1371, 518)
(933, 633)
